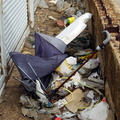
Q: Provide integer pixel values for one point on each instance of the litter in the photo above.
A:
(69, 20)
(43, 4)
(56, 118)
(37, 77)
(65, 67)
(29, 102)
(41, 96)
(32, 113)
(74, 29)
(67, 115)
(60, 4)
(71, 96)
(95, 78)
(52, 56)
(74, 100)
(98, 112)
(92, 64)
(70, 11)
(53, 1)
(60, 103)
(79, 13)
(66, 85)
(98, 48)
(95, 85)
(26, 52)
(90, 95)
(59, 22)
(71, 60)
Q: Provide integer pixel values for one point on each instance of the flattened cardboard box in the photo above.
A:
(76, 101)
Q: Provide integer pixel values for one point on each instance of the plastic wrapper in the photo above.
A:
(92, 63)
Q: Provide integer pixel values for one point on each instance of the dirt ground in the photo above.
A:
(10, 107)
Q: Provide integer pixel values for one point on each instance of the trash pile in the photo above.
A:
(63, 80)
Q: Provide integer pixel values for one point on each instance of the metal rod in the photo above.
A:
(36, 76)
(54, 91)
(27, 85)
(26, 74)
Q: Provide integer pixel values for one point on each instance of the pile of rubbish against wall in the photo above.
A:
(63, 79)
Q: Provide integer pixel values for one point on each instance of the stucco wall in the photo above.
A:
(106, 16)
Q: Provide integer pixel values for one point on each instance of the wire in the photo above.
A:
(73, 95)
(82, 84)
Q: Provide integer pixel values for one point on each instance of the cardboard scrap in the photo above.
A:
(77, 101)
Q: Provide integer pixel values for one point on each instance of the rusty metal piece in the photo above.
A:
(112, 29)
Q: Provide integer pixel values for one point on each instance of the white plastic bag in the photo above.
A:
(98, 112)
(39, 90)
(64, 68)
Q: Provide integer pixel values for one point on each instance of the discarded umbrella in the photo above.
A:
(33, 89)
(37, 76)
(26, 75)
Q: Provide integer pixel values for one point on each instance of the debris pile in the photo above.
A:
(63, 80)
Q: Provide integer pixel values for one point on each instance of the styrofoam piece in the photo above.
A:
(71, 32)
(99, 112)
(74, 29)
